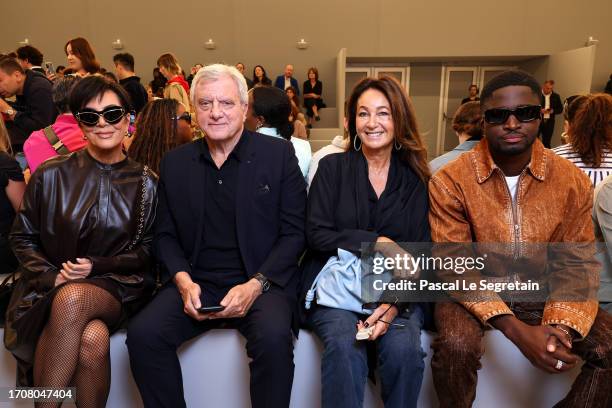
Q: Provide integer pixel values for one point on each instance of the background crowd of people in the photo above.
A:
(169, 81)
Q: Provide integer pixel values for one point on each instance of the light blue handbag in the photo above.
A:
(338, 285)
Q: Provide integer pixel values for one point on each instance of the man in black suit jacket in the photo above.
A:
(551, 106)
(229, 231)
(33, 109)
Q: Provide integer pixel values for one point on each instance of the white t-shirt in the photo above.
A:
(287, 82)
(512, 183)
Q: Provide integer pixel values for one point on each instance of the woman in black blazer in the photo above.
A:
(374, 193)
(313, 89)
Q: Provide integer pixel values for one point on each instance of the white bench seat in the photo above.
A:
(216, 374)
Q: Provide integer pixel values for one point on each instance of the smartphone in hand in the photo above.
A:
(49, 67)
(211, 309)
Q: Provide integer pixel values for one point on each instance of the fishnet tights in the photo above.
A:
(73, 349)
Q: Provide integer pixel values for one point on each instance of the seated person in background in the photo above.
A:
(268, 114)
(124, 67)
(161, 126)
(240, 67)
(83, 238)
(473, 97)
(313, 89)
(260, 78)
(176, 87)
(589, 132)
(229, 232)
(602, 220)
(33, 108)
(12, 187)
(296, 117)
(30, 58)
(373, 193)
(64, 136)
(287, 80)
(510, 189)
(468, 128)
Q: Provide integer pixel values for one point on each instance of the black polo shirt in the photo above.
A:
(219, 266)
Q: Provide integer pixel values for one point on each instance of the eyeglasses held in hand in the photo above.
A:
(525, 113)
(112, 114)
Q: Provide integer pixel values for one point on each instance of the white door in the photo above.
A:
(454, 87)
(402, 74)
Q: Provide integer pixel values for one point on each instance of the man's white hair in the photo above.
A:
(216, 71)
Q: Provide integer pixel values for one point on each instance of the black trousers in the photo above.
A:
(547, 127)
(157, 331)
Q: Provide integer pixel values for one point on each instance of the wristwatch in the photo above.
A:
(10, 112)
(265, 283)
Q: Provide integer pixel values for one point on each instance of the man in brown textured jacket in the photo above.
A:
(510, 189)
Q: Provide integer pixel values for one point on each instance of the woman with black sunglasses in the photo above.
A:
(83, 239)
(162, 125)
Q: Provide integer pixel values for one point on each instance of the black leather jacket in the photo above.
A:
(75, 206)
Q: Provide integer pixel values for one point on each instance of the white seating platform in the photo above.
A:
(216, 374)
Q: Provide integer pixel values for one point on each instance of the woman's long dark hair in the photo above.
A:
(590, 129)
(156, 133)
(274, 106)
(264, 80)
(413, 151)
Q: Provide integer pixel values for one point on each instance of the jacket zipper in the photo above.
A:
(515, 226)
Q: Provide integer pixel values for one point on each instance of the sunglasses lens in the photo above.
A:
(496, 116)
(522, 113)
(88, 118)
(527, 113)
(113, 115)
